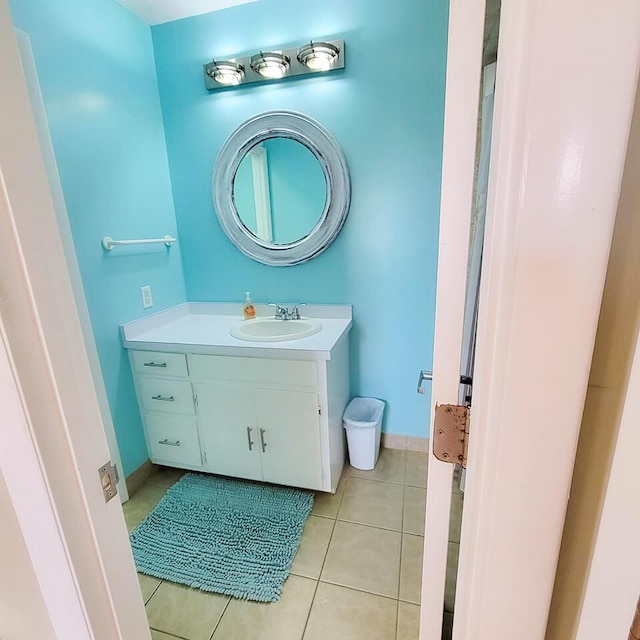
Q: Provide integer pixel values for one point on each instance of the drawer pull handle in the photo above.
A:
(164, 398)
(262, 440)
(175, 443)
(249, 440)
(163, 365)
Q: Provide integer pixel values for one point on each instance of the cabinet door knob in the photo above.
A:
(249, 440)
(262, 441)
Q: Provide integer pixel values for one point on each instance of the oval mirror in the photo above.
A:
(281, 188)
(280, 191)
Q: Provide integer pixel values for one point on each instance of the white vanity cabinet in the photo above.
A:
(271, 416)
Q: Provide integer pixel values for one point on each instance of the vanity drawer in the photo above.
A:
(299, 373)
(173, 440)
(159, 364)
(167, 396)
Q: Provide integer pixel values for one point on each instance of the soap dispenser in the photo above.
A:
(248, 311)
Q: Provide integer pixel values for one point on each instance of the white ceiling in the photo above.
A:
(158, 11)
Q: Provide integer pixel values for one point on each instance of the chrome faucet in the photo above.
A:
(283, 313)
(295, 312)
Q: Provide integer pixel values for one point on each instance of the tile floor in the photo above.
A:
(356, 576)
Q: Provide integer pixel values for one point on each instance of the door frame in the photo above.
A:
(64, 431)
(613, 584)
(534, 34)
(462, 94)
(46, 145)
(551, 206)
(29, 494)
(612, 581)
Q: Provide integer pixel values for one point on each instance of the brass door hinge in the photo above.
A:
(451, 433)
(109, 479)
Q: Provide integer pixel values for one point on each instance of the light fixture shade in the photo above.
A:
(278, 64)
(271, 65)
(226, 72)
(318, 56)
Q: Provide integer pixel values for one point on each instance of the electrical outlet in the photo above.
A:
(147, 298)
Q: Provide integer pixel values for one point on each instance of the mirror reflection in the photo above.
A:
(280, 190)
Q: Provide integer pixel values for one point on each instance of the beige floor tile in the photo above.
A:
(364, 558)
(411, 568)
(158, 635)
(282, 620)
(455, 522)
(378, 504)
(313, 547)
(185, 612)
(408, 621)
(344, 614)
(327, 504)
(416, 473)
(144, 500)
(165, 476)
(452, 576)
(148, 585)
(389, 468)
(415, 500)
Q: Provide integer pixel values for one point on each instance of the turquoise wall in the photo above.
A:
(102, 95)
(386, 109)
(96, 69)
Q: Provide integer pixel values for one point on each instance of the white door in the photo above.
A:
(46, 145)
(64, 428)
(230, 438)
(289, 429)
(550, 211)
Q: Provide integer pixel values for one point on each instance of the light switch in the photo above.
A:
(147, 298)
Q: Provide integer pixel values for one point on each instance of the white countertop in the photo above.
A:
(204, 327)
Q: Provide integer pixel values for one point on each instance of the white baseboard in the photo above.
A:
(136, 479)
(410, 443)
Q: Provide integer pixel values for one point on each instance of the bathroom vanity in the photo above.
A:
(262, 410)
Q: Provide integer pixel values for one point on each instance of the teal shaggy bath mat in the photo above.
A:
(223, 535)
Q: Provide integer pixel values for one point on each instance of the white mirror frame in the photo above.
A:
(301, 128)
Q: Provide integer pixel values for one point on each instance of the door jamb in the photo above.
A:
(464, 70)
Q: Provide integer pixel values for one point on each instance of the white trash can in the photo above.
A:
(362, 421)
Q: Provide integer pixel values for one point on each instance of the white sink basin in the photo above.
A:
(272, 330)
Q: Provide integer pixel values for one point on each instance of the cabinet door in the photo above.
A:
(289, 436)
(228, 431)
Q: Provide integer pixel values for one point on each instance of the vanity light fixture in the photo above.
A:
(318, 56)
(225, 72)
(271, 65)
(274, 65)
